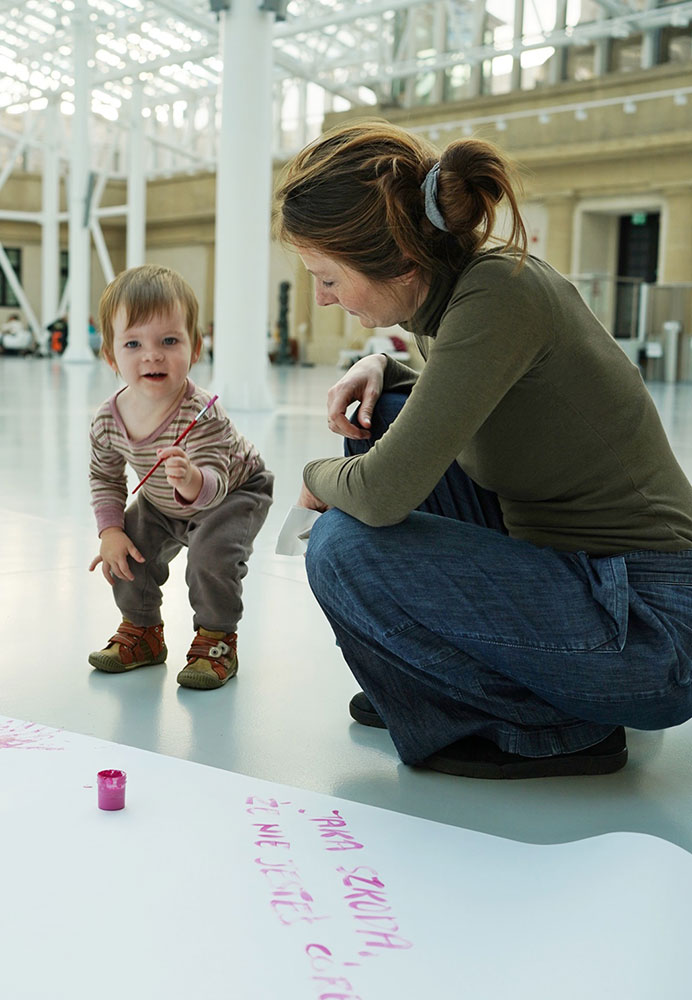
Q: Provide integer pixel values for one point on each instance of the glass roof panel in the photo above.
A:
(358, 52)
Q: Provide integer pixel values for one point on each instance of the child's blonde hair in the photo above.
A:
(144, 292)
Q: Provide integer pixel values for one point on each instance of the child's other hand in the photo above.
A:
(113, 555)
(181, 474)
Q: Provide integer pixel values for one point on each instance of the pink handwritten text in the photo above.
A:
(321, 961)
(333, 830)
(372, 910)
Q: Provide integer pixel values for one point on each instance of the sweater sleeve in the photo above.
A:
(495, 328)
(222, 454)
(107, 480)
(207, 447)
(398, 376)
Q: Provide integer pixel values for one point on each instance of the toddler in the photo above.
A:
(211, 494)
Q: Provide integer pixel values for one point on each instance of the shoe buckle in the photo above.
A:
(216, 652)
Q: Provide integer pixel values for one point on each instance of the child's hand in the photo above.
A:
(181, 474)
(115, 548)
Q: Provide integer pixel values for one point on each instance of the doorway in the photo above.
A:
(637, 263)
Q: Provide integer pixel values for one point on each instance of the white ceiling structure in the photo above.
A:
(326, 53)
(128, 90)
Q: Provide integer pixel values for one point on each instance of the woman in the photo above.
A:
(506, 560)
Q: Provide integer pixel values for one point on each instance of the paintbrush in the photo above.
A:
(177, 441)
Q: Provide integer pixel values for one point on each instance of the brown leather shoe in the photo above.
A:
(211, 660)
(132, 646)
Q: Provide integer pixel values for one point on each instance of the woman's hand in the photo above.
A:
(309, 500)
(363, 382)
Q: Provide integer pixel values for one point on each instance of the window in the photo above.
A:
(7, 296)
(626, 54)
(581, 62)
(676, 44)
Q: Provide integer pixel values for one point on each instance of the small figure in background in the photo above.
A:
(58, 335)
(94, 337)
(208, 341)
(15, 338)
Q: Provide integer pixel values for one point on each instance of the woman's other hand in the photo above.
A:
(309, 500)
(362, 383)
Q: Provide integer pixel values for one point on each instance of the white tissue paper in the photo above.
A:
(295, 531)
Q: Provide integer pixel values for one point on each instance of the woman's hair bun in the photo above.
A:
(478, 164)
(474, 178)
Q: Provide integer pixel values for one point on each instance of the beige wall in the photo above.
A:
(191, 262)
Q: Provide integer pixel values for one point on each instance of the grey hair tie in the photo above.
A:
(429, 189)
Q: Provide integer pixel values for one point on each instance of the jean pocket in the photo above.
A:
(418, 645)
(662, 612)
(586, 611)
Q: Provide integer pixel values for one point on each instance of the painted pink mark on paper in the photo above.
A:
(27, 736)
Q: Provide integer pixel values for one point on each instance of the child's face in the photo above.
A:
(154, 357)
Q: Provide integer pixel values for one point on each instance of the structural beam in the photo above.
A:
(50, 225)
(136, 184)
(243, 193)
(79, 261)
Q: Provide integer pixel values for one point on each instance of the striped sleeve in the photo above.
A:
(107, 480)
(225, 458)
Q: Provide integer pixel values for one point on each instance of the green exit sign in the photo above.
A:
(638, 218)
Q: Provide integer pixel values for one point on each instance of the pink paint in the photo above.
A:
(15, 735)
(111, 789)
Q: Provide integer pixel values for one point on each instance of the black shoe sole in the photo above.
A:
(515, 766)
(366, 716)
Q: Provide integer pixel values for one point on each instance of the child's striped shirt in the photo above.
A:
(225, 458)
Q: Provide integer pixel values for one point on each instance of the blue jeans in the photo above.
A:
(454, 629)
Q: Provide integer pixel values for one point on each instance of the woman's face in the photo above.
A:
(375, 303)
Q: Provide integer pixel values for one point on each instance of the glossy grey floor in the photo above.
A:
(285, 716)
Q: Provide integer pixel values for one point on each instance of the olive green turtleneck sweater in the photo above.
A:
(536, 401)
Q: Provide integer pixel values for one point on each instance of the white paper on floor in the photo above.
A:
(214, 884)
(295, 531)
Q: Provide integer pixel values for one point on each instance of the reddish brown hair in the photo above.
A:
(355, 195)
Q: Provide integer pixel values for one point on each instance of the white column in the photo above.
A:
(50, 227)
(410, 51)
(278, 114)
(80, 239)
(302, 124)
(650, 41)
(518, 32)
(476, 80)
(136, 183)
(558, 63)
(173, 141)
(243, 193)
(439, 40)
(601, 59)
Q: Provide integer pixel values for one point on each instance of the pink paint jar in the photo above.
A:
(111, 789)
